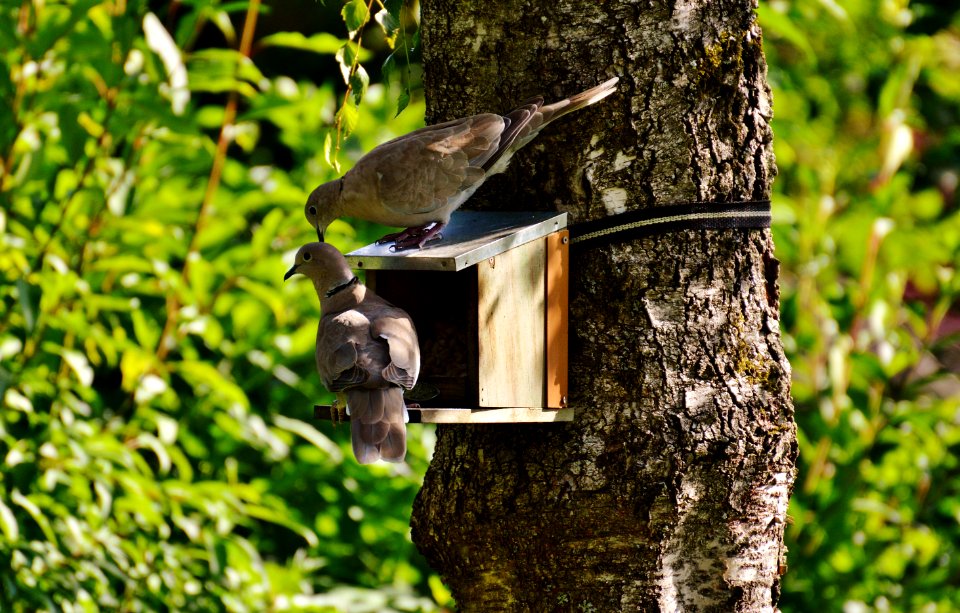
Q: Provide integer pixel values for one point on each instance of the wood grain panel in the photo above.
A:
(510, 311)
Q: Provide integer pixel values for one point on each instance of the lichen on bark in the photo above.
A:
(669, 490)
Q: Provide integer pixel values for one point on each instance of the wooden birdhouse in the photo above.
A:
(489, 302)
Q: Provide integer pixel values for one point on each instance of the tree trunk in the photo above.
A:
(669, 489)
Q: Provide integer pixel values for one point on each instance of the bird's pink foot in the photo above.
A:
(419, 237)
(403, 235)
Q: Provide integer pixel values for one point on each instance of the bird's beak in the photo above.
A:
(319, 234)
(291, 272)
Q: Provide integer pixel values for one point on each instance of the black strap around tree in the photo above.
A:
(670, 218)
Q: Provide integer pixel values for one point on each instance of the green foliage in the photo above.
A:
(356, 16)
(157, 440)
(867, 225)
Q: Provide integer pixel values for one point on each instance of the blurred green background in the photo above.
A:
(156, 436)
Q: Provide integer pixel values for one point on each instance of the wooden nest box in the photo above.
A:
(489, 302)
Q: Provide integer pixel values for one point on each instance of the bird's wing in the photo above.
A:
(522, 121)
(337, 356)
(424, 170)
(396, 327)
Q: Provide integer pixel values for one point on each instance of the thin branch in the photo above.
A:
(353, 70)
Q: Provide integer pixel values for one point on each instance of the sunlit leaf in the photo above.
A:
(322, 42)
(348, 116)
(8, 523)
(346, 57)
(311, 434)
(355, 15)
(328, 151)
(15, 400)
(390, 24)
(161, 43)
(34, 511)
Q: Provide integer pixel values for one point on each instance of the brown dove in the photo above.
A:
(367, 353)
(418, 180)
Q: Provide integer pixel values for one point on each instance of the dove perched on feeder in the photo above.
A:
(418, 180)
(367, 353)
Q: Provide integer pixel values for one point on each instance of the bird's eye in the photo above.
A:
(313, 210)
(306, 257)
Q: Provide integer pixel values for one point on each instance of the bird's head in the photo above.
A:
(321, 207)
(323, 264)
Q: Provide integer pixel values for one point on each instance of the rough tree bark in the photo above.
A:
(669, 491)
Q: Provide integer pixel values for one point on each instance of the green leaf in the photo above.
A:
(311, 434)
(346, 57)
(145, 439)
(403, 100)
(388, 66)
(79, 364)
(329, 154)
(161, 43)
(34, 511)
(122, 264)
(355, 15)
(26, 304)
(273, 516)
(394, 7)
(223, 70)
(899, 84)
(222, 20)
(441, 594)
(359, 82)
(8, 522)
(226, 62)
(323, 43)
(15, 400)
(390, 25)
(348, 116)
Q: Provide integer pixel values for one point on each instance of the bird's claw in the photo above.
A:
(336, 415)
(413, 237)
(415, 241)
(383, 240)
(402, 236)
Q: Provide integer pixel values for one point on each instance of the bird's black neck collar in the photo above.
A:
(339, 288)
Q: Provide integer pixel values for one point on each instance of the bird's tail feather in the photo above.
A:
(377, 418)
(573, 103)
(526, 121)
